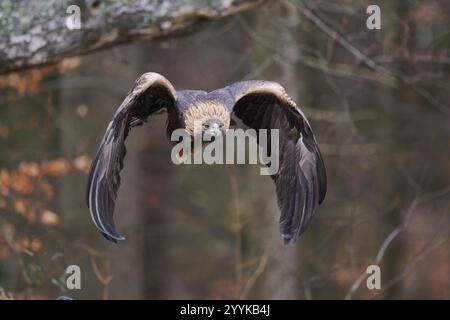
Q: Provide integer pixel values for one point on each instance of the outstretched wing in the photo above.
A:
(150, 93)
(301, 181)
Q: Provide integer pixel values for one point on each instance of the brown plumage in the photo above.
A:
(301, 181)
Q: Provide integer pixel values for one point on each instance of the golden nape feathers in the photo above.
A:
(197, 114)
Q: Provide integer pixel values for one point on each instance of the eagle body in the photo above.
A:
(300, 182)
(200, 106)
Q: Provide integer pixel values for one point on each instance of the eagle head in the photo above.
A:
(212, 128)
(211, 120)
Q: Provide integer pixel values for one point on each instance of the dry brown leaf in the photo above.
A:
(82, 163)
(22, 243)
(30, 215)
(28, 81)
(49, 218)
(20, 206)
(47, 189)
(36, 245)
(4, 131)
(21, 183)
(4, 179)
(55, 167)
(82, 111)
(29, 168)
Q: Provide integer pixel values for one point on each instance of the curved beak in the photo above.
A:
(214, 130)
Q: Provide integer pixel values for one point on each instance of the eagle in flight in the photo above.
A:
(301, 181)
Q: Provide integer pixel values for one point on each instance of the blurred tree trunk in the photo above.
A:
(281, 280)
(391, 264)
(154, 187)
(36, 33)
(76, 135)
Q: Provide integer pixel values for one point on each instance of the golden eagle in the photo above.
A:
(301, 181)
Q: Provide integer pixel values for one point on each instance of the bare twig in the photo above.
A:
(105, 280)
(258, 272)
(412, 263)
(394, 233)
(305, 11)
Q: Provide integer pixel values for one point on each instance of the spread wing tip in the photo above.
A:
(322, 176)
(100, 202)
(288, 239)
(112, 238)
(291, 237)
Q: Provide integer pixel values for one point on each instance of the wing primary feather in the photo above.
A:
(150, 94)
(301, 182)
(96, 193)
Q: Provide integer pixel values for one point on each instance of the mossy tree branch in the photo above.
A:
(34, 32)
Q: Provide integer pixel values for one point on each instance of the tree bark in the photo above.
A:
(33, 33)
